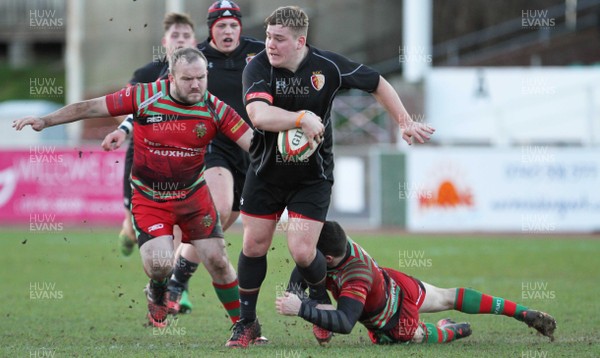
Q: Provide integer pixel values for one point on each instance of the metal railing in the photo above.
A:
(358, 119)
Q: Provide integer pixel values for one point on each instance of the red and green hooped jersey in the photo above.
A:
(170, 138)
(358, 277)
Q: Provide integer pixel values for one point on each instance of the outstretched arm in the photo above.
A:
(73, 112)
(340, 320)
(389, 99)
(274, 119)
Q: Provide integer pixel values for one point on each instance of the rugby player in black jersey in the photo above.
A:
(281, 85)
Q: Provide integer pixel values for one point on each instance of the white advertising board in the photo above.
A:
(513, 105)
(532, 189)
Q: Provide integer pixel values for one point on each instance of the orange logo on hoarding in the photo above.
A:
(446, 196)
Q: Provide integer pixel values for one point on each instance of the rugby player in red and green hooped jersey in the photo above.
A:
(388, 302)
(175, 120)
(178, 33)
(227, 53)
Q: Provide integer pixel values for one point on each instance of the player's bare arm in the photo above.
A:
(119, 119)
(114, 140)
(245, 140)
(389, 99)
(275, 119)
(92, 108)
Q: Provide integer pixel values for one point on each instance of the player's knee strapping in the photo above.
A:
(184, 269)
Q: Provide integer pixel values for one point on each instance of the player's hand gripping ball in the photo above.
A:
(293, 145)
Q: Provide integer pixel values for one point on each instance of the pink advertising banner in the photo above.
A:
(52, 187)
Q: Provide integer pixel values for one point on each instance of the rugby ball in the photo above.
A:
(293, 145)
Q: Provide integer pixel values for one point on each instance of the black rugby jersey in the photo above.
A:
(312, 87)
(150, 72)
(225, 82)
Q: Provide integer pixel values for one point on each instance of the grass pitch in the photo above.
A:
(71, 293)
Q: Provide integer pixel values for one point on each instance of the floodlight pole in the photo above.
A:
(416, 39)
(415, 53)
(74, 64)
(571, 14)
(175, 6)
